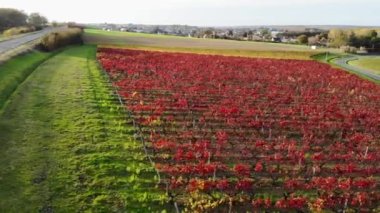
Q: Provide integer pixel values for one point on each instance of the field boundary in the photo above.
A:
(277, 55)
(139, 136)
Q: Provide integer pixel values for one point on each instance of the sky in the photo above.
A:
(207, 12)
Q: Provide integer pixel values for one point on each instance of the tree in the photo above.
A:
(208, 33)
(11, 18)
(374, 34)
(314, 40)
(265, 32)
(37, 20)
(54, 24)
(302, 39)
(338, 38)
(365, 32)
(353, 40)
(230, 33)
(375, 44)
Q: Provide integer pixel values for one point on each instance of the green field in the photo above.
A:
(66, 145)
(194, 45)
(371, 63)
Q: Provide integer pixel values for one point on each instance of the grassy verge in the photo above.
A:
(330, 57)
(16, 70)
(66, 145)
(4, 37)
(326, 57)
(370, 63)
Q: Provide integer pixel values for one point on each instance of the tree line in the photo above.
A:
(11, 18)
(363, 38)
(367, 38)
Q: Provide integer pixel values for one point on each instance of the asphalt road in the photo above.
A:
(11, 44)
(343, 62)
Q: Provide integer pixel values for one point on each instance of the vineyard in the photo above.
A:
(232, 134)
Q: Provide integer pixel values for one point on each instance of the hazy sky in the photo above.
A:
(206, 12)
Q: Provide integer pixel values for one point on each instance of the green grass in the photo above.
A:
(16, 70)
(200, 46)
(330, 60)
(370, 63)
(66, 145)
(326, 57)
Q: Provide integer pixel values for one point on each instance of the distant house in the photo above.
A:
(257, 38)
(136, 30)
(274, 34)
(285, 39)
(362, 50)
(123, 29)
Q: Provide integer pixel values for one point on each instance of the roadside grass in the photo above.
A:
(4, 38)
(14, 71)
(329, 59)
(370, 63)
(67, 146)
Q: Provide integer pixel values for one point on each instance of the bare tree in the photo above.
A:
(11, 18)
(37, 20)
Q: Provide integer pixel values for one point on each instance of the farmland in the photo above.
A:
(142, 41)
(235, 134)
(124, 127)
(370, 63)
(191, 106)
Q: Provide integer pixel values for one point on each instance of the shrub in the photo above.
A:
(63, 38)
(18, 30)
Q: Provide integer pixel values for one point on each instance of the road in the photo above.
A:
(343, 62)
(11, 44)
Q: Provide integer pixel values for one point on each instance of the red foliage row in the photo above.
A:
(241, 125)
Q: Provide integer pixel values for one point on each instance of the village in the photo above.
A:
(300, 35)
